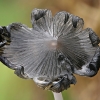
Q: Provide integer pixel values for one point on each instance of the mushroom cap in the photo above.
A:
(51, 51)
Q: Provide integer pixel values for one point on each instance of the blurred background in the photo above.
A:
(15, 88)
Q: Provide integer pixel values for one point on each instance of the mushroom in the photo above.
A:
(52, 51)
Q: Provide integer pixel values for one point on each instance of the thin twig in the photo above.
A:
(57, 96)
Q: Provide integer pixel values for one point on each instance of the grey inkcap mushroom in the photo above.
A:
(52, 50)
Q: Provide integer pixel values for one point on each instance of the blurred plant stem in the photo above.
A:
(57, 96)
